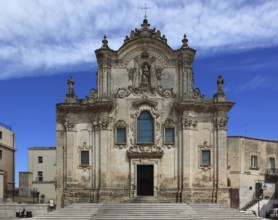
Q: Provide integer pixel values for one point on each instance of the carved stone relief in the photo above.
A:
(221, 123)
(69, 121)
(144, 72)
(197, 93)
(189, 124)
(85, 146)
(145, 149)
(101, 123)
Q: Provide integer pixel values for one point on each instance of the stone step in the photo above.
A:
(147, 211)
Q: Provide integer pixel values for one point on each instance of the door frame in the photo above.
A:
(149, 168)
(133, 174)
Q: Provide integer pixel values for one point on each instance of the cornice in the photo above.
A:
(204, 106)
(95, 106)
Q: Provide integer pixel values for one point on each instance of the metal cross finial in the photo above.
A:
(145, 8)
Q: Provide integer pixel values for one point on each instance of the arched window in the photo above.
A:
(145, 128)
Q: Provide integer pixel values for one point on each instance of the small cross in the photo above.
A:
(145, 8)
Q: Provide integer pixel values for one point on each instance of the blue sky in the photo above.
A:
(43, 42)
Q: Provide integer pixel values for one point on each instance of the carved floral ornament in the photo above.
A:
(189, 124)
(221, 123)
(69, 121)
(101, 123)
(85, 146)
(169, 123)
(145, 149)
(121, 124)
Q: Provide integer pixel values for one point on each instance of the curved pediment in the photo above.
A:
(144, 101)
(145, 40)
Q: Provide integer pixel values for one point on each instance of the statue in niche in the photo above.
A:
(145, 75)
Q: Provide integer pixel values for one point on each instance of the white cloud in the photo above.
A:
(256, 82)
(50, 34)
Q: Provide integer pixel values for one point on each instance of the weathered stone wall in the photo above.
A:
(25, 183)
(145, 74)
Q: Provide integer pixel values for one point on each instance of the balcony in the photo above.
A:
(271, 175)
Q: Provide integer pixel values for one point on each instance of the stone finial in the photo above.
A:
(184, 41)
(104, 42)
(145, 24)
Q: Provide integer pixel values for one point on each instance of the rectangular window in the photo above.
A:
(205, 158)
(271, 163)
(40, 176)
(85, 158)
(0, 135)
(121, 135)
(0, 154)
(40, 159)
(169, 135)
(254, 161)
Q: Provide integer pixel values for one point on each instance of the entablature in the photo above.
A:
(203, 106)
(95, 106)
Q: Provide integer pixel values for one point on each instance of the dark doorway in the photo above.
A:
(235, 198)
(145, 180)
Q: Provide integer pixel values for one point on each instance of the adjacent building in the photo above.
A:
(252, 171)
(41, 174)
(7, 162)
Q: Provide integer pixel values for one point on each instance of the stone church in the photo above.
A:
(145, 130)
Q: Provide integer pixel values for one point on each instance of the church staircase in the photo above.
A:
(146, 210)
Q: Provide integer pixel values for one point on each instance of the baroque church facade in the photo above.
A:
(145, 131)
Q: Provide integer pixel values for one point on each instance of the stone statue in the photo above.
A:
(70, 86)
(220, 82)
(220, 95)
(145, 74)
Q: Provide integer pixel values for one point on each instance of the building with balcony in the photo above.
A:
(252, 170)
(7, 162)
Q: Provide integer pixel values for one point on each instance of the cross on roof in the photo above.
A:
(145, 8)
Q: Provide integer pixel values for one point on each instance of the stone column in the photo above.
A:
(188, 155)
(221, 126)
(60, 144)
(102, 161)
(221, 159)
